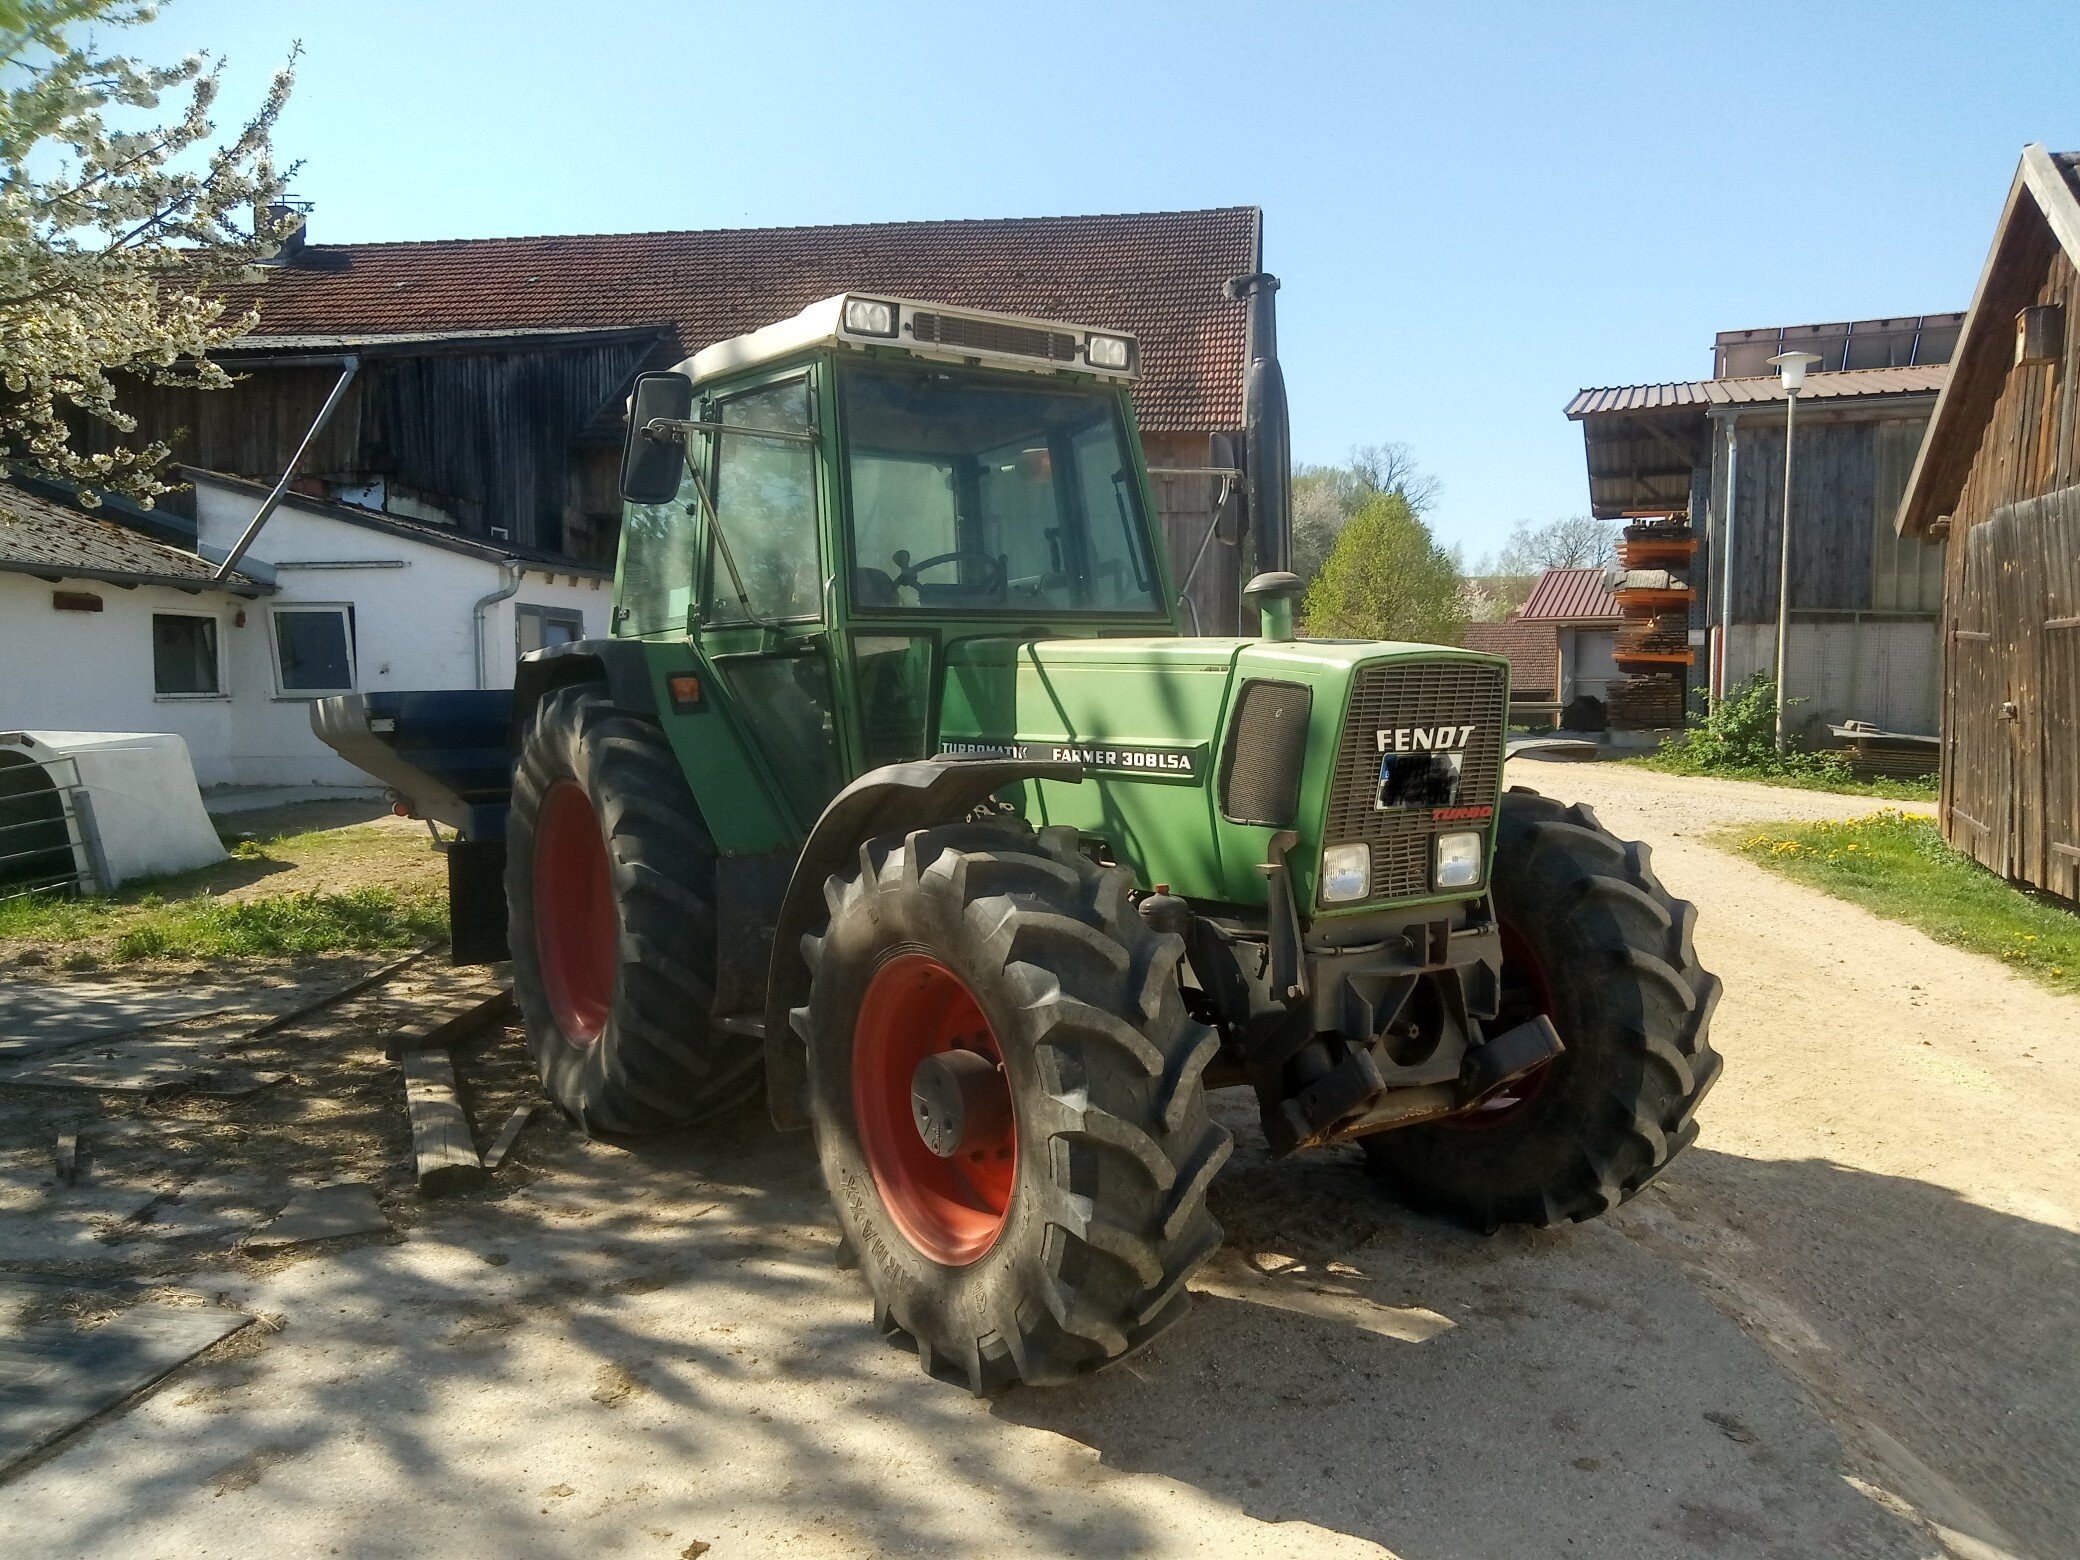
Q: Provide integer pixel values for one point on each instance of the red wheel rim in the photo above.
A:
(574, 924)
(1526, 993)
(950, 1209)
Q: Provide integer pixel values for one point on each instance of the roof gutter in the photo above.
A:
(129, 579)
(350, 365)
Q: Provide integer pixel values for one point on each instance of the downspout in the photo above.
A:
(485, 604)
(349, 367)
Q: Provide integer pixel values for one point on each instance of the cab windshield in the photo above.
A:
(971, 496)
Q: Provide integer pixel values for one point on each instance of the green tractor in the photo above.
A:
(899, 791)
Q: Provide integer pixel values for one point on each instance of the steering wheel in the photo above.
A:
(907, 572)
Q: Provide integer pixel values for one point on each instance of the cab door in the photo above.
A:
(763, 609)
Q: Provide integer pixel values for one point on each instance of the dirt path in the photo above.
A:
(1887, 1189)
(649, 1352)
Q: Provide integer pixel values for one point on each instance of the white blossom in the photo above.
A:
(113, 241)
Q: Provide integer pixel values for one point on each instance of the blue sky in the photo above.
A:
(1476, 210)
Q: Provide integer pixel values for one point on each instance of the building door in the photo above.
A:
(2011, 793)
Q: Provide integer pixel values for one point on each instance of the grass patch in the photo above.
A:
(275, 925)
(1899, 867)
(291, 894)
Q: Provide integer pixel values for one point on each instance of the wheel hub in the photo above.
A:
(956, 1097)
(937, 1123)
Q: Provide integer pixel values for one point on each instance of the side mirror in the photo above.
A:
(652, 462)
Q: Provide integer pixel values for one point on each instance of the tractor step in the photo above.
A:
(752, 1024)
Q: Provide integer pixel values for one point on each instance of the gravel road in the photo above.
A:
(1842, 1325)
(1886, 1193)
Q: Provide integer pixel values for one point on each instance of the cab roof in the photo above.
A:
(932, 331)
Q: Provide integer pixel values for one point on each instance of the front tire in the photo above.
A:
(1054, 1232)
(610, 887)
(1592, 939)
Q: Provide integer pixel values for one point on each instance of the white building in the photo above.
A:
(105, 629)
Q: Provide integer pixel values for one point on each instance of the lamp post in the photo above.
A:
(1791, 370)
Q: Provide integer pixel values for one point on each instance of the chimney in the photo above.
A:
(289, 218)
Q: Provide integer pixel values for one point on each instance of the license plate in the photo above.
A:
(1418, 781)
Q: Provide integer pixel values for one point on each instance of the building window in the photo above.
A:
(314, 650)
(540, 627)
(184, 656)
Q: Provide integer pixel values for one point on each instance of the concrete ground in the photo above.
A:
(1841, 1325)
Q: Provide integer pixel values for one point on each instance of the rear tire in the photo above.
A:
(610, 886)
(1591, 938)
(1072, 1247)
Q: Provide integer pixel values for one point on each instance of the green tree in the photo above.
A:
(1325, 497)
(116, 230)
(1386, 578)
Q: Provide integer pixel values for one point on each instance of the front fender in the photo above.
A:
(892, 799)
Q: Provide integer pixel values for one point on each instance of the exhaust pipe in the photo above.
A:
(1267, 459)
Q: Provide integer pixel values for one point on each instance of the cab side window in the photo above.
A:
(765, 494)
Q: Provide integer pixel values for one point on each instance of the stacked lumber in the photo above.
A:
(1652, 585)
(1650, 702)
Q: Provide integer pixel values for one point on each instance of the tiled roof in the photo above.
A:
(1157, 274)
(1912, 379)
(1532, 650)
(1570, 596)
(445, 537)
(43, 538)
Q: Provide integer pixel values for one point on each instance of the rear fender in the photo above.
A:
(894, 799)
(619, 663)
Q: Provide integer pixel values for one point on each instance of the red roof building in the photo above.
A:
(494, 370)
(1573, 598)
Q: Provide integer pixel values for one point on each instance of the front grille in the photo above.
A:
(1267, 740)
(1413, 694)
(957, 330)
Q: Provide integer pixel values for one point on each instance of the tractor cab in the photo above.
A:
(828, 507)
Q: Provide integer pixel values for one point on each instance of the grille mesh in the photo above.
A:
(955, 330)
(1260, 772)
(1430, 693)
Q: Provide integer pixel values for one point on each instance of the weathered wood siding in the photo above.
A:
(493, 438)
(493, 435)
(2011, 700)
(1846, 482)
(1184, 512)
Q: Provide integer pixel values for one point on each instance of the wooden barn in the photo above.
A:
(1695, 468)
(2000, 476)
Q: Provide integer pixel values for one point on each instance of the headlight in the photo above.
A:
(1115, 352)
(1346, 873)
(1459, 860)
(870, 317)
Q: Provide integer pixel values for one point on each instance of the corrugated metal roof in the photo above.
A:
(1912, 379)
(1570, 596)
(1157, 274)
(39, 537)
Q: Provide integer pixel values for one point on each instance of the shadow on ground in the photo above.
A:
(1939, 1333)
(631, 1350)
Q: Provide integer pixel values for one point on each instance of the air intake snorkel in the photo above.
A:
(1268, 460)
